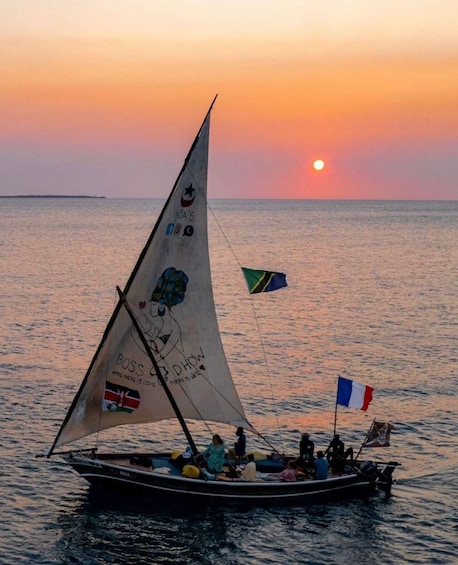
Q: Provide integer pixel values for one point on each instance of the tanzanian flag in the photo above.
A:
(263, 281)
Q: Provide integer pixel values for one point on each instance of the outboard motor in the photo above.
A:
(369, 470)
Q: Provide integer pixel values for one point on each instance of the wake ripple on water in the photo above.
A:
(87, 527)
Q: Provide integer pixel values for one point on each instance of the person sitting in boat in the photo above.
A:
(240, 444)
(321, 466)
(336, 453)
(249, 472)
(290, 473)
(215, 454)
(306, 449)
(303, 471)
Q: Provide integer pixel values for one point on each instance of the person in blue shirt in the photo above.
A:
(321, 466)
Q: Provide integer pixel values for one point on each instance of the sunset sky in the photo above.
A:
(104, 97)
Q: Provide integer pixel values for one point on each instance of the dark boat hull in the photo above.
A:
(117, 472)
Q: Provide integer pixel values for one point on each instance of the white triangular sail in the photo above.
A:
(170, 292)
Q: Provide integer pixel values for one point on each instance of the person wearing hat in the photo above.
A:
(306, 448)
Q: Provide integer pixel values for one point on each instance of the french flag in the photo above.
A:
(353, 394)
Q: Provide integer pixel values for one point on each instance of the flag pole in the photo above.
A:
(365, 439)
(335, 412)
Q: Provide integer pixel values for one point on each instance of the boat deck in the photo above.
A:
(162, 464)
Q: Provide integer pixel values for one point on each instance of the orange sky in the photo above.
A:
(87, 110)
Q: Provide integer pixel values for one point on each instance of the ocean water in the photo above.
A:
(372, 295)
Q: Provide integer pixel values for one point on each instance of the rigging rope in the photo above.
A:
(259, 334)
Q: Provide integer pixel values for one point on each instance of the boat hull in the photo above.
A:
(116, 472)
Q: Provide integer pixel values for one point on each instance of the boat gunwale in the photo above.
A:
(102, 461)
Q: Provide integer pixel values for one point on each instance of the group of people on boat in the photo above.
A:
(335, 457)
(214, 459)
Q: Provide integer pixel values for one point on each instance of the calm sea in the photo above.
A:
(372, 296)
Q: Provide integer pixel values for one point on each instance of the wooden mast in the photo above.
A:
(167, 391)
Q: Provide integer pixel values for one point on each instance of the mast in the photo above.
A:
(167, 391)
(335, 411)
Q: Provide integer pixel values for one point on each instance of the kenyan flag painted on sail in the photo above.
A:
(117, 398)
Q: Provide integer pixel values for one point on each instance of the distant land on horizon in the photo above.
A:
(161, 198)
(50, 196)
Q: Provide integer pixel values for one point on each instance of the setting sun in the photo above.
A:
(318, 165)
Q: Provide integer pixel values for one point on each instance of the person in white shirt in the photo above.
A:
(249, 473)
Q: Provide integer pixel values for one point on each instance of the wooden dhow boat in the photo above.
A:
(161, 357)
